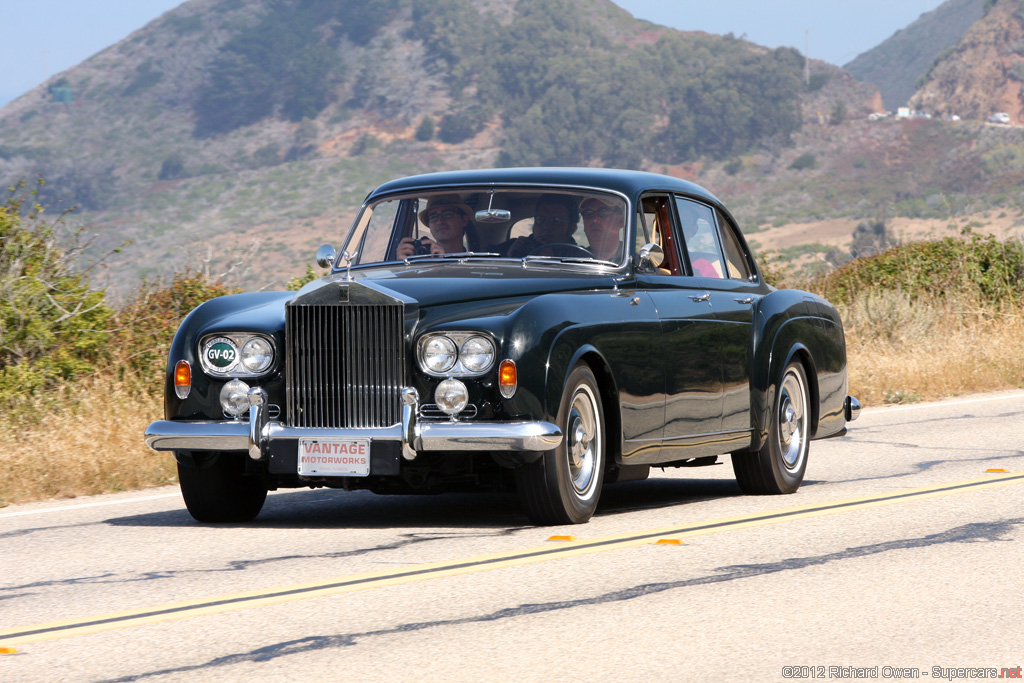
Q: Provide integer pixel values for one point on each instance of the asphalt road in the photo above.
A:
(900, 555)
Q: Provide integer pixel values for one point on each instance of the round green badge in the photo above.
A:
(220, 353)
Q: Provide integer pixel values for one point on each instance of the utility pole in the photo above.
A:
(807, 58)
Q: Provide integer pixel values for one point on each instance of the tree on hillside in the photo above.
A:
(286, 64)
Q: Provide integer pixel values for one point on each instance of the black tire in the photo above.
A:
(563, 487)
(216, 489)
(780, 464)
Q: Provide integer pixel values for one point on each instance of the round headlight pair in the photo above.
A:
(456, 353)
(236, 355)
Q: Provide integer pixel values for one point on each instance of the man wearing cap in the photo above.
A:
(603, 219)
(447, 217)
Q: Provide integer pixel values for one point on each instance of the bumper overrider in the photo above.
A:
(259, 436)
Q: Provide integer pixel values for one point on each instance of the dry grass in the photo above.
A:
(899, 351)
(93, 446)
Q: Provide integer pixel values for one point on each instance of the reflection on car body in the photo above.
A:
(632, 329)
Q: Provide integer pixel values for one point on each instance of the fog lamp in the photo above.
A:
(182, 379)
(234, 398)
(451, 396)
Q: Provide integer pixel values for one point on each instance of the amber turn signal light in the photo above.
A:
(182, 378)
(507, 378)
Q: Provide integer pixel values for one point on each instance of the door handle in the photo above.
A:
(701, 297)
(745, 300)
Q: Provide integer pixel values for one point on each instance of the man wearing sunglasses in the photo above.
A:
(447, 217)
(603, 220)
(553, 224)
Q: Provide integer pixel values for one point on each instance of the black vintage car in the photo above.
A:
(554, 330)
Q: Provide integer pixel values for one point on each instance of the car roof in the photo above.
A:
(629, 183)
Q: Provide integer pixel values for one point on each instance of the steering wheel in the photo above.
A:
(555, 247)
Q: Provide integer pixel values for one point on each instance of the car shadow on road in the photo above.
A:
(327, 509)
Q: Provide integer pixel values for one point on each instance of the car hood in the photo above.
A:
(449, 283)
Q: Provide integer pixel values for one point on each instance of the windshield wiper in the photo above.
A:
(568, 259)
(458, 255)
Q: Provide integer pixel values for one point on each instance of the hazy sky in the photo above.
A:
(44, 37)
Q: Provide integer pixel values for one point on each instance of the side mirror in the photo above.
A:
(651, 254)
(325, 256)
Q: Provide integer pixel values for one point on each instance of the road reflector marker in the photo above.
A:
(995, 469)
(562, 538)
(669, 541)
(8, 651)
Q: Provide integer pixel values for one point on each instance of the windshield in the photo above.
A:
(537, 224)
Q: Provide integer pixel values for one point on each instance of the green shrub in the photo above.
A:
(979, 266)
(425, 131)
(805, 160)
(172, 168)
(296, 284)
(146, 325)
(52, 325)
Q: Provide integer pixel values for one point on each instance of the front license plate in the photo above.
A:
(334, 457)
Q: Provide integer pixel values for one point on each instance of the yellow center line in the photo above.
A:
(366, 581)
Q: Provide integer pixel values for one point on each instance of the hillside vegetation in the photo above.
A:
(225, 125)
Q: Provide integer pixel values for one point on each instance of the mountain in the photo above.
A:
(227, 126)
(236, 136)
(898, 63)
(984, 72)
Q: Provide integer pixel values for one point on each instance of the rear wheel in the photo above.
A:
(563, 487)
(216, 489)
(780, 464)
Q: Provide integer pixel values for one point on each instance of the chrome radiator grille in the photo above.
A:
(345, 366)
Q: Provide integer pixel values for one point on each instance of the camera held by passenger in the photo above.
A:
(421, 247)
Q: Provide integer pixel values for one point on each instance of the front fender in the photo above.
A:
(253, 312)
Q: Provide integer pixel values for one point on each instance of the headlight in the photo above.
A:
(438, 354)
(257, 355)
(477, 354)
(236, 354)
(456, 353)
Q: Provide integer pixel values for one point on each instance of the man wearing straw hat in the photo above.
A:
(447, 217)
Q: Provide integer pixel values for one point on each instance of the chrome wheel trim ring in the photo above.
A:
(792, 420)
(583, 441)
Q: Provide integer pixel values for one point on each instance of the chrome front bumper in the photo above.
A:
(255, 435)
(229, 435)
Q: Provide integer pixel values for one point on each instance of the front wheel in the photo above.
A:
(563, 486)
(780, 464)
(216, 489)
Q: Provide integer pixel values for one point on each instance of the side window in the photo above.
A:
(654, 224)
(697, 223)
(735, 257)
